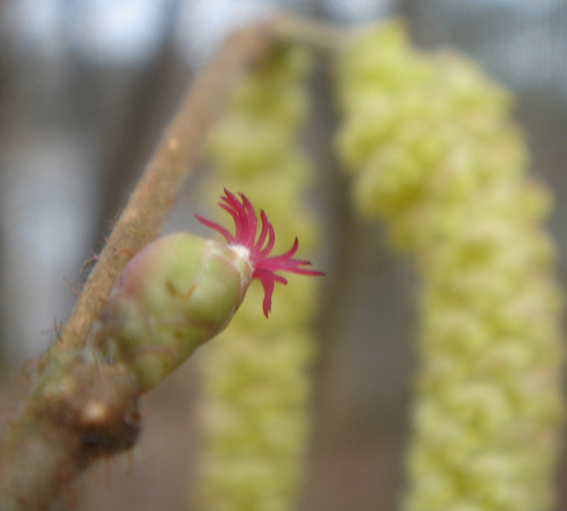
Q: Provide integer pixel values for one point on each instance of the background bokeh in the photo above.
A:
(86, 86)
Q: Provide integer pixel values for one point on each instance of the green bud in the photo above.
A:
(177, 293)
(182, 290)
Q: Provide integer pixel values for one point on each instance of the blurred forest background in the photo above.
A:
(86, 87)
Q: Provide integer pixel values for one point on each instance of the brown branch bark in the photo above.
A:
(80, 408)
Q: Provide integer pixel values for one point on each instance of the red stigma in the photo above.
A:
(246, 223)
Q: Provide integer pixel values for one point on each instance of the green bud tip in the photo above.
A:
(256, 252)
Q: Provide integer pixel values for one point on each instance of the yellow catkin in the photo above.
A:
(429, 144)
(254, 413)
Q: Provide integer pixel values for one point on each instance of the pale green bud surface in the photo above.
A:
(177, 293)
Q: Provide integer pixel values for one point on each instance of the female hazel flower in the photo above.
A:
(182, 290)
(262, 266)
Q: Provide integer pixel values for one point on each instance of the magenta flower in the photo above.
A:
(257, 250)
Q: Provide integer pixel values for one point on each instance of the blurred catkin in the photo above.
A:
(431, 148)
(254, 412)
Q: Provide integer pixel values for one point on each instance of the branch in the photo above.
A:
(176, 155)
(321, 37)
(81, 408)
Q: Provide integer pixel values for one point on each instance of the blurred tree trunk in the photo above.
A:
(7, 72)
(360, 405)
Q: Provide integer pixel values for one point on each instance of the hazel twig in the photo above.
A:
(79, 408)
